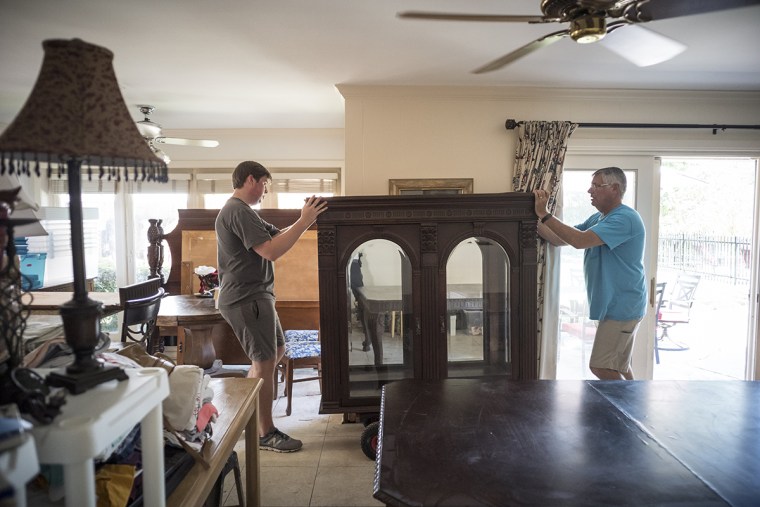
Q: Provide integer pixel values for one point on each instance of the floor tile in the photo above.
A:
(344, 486)
(330, 470)
(287, 486)
(343, 451)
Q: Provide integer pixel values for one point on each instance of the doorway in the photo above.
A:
(699, 220)
(705, 236)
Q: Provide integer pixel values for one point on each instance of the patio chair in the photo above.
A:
(676, 309)
(659, 295)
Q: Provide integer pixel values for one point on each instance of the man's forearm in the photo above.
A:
(282, 242)
(569, 235)
(549, 235)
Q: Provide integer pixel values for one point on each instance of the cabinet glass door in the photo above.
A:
(477, 305)
(379, 317)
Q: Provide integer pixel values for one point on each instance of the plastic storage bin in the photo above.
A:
(32, 268)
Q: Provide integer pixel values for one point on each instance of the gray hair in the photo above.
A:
(612, 175)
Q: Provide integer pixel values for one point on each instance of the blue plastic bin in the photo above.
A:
(32, 270)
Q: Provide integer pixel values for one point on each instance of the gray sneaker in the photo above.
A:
(278, 441)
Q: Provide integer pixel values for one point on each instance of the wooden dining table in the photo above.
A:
(193, 319)
(494, 441)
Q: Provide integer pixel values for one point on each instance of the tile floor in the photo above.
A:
(330, 470)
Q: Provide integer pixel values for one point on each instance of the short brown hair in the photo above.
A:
(248, 168)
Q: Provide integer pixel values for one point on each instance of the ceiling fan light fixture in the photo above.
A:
(588, 29)
(148, 129)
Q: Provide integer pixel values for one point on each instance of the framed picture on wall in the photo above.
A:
(430, 186)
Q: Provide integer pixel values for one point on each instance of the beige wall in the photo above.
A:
(450, 132)
(454, 132)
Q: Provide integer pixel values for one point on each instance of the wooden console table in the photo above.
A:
(545, 442)
(49, 303)
(237, 401)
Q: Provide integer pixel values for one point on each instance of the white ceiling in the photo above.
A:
(275, 63)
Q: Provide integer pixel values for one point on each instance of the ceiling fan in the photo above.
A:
(590, 20)
(151, 132)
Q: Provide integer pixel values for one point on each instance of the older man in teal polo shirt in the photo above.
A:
(613, 265)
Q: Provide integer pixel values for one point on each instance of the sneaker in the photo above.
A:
(278, 441)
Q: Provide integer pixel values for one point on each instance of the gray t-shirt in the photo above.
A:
(243, 274)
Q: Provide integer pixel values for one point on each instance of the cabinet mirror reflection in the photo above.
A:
(381, 314)
(380, 291)
(477, 303)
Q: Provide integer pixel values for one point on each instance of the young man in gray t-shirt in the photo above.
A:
(246, 248)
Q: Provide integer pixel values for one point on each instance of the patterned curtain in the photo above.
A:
(539, 158)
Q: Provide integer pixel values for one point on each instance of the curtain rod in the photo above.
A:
(513, 124)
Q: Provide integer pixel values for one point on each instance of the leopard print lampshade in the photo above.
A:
(76, 111)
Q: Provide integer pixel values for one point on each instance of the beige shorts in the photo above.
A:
(613, 344)
(257, 328)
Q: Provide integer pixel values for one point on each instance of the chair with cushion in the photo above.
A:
(302, 350)
(141, 302)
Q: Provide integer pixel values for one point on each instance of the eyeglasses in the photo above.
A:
(595, 186)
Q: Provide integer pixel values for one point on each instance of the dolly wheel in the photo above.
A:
(369, 440)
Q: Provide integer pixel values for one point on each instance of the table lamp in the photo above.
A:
(76, 118)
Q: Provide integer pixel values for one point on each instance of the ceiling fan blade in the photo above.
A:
(519, 53)
(204, 143)
(641, 46)
(664, 9)
(450, 16)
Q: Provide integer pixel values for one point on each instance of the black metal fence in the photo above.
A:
(726, 258)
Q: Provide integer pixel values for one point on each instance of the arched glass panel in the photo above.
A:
(477, 302)
(379, 289)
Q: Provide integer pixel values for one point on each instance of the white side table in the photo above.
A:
(19, 465)
(89, 422)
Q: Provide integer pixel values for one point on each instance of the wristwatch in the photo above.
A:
(545, 218)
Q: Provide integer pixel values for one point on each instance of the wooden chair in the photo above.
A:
(302, 350)
(141, 302)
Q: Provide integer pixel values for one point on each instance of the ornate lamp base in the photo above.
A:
(77, 383)
(82, 328)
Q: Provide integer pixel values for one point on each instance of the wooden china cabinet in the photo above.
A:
(424, 287)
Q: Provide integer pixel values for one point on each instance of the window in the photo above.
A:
(152, 200)
(118, 242)
(288, 190)
(99, 203)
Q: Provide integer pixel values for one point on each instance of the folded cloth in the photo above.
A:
(137, 352)
(186, 384)
(205, 416)
(113, 484)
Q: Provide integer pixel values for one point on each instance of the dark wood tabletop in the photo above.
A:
(500, 442)
(386, 298)
(183, 310)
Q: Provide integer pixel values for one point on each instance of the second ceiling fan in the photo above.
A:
(151, 132)
(591, 20)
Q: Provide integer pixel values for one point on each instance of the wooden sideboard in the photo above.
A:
(192, 243)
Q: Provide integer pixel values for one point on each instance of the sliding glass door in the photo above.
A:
(699, 219)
